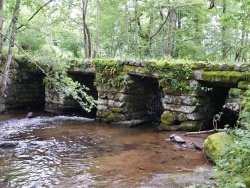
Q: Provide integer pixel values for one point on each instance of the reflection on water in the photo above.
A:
(77, 152)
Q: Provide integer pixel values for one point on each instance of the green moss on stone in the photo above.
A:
(167, 119)
(103, 114)
(235, 92)
(197, 65)
(117, 96)
(223, 76)
(111, 117)
(117, 110)
(188, 126)
(214, 144)
(247, 181)
(243, 85)
(129, 68)
(164, 127)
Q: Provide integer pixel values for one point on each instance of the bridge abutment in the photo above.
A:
(138, 103)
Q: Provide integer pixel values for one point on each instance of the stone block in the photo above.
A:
(180, 108)
(101, 107)
(189, 126)
(102, 101)
(194, 116)
(214, 144)
(182, 117)
(168, 99)
(167, 118)
(164, 127)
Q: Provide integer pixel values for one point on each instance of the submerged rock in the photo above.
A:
(178, 139)
(30, 115)
(8, 144)
(175, 138)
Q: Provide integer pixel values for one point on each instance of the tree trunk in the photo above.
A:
(11, 45)
(97, 29)
(127, 31)
(136, 30)
(1, 29)
(86, 33)
(170, 39)
(223, 31)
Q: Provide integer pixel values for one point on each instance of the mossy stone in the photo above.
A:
(117, 110)
(247, 181)
(111, 117)
(243, 85)
(103, 114)
(167, 119)
(164, 127)
(223, 76)
(214, 145)
(197, 65)
(188, 126)
(129, 68)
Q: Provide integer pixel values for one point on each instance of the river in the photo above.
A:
(62, 152)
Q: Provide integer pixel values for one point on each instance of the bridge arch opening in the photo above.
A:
(72, 107)
(25, 89)
(145, 99)
(221, 105)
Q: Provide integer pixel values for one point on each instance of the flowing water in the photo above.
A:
(63, 152)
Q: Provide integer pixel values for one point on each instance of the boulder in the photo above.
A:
(8, 144)
(189, 126)
(214, 144)
(30, 115)
(178, 139)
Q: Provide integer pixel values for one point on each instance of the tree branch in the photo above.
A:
(160, 27)
(38, 10)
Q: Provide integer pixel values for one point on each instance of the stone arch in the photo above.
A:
(25, 89)
(59, 104)
(138, 103)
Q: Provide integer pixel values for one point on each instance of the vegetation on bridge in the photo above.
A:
(213, 30)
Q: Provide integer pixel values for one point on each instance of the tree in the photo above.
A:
(86, 32)
(13, 31)
(1, 28)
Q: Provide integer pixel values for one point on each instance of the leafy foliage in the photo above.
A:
(109, 74)
(234, 165)
(57, 68)
(173, 76)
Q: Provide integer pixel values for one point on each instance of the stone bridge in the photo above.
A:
(179, 95)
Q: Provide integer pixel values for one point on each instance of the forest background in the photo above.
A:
(50, 32)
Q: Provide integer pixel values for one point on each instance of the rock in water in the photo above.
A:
(30, 115)
(172, 136)
(194, 146)
(178, 139)
(8, 144)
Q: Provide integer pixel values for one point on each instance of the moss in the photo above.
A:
(197, 65)
(164, 127)
(103, 114)
(235, 92)
(167, 119)
(111, 117)
(223, 76)
(129, 68)
(117, 96)
(215, 67)
(102, 94)
(214, 144)
(188, 126)
(247, 181)
(117, 110)
(243, 85)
